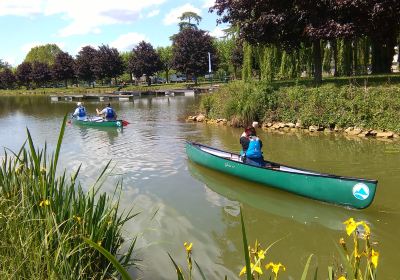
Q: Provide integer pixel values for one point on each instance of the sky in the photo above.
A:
(72, 24)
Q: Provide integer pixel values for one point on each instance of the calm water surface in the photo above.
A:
(180, 201)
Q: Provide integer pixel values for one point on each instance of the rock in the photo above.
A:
(386, 135)
(372, 133)
(347, 130)
(191, 118)
(355, 131)
(200, 118)
(299, 124)
(291, 125)
(313, 128)
(336, 128)
(254, 124)
(276, 126)
(396, 135)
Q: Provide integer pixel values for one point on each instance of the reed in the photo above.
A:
(45, 218)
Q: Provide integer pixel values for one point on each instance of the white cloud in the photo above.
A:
(174, 14)
(217, 32)
(153, 13)
(127, 41)
(82, 16)
(208, 4)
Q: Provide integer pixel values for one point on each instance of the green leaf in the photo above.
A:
(178, 271)
(201, 272)
(305, 271)
(246, 249)
(110, 257)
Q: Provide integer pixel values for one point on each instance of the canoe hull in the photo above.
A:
(116, 123)
(346, 191)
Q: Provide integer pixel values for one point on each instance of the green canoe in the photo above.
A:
(347, 191)
(98, 122)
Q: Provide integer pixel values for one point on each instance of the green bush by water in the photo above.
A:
(45, 218)
(375, 107)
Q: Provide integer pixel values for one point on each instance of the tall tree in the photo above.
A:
(190, 49)
(166, 56)
(44, 53)
(63, 68)
(84, 64)
(285, 23)
(145, 61)
(4, 64)
(41, 73)
(7, 79)
(187, 19)
(107, 63)
(24, 74)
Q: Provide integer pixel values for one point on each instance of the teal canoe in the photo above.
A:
(346, 191)
(98, 122)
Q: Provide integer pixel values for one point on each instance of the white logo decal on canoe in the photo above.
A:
(228, 165)
(361, 191)
(118, 123)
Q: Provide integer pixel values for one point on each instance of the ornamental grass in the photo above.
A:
(45, 218)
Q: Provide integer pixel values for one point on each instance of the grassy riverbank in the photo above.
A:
(44, 219)
(99, 89)
(358, 102)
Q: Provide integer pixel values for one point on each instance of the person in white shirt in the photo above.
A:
(80, 112)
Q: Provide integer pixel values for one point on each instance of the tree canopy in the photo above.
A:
(24, 74)
(289, 24)
(44, 53)
(187, 18)
(63, 68)
(190, 49)
(144, 61)
(84, 64)
(107, 63)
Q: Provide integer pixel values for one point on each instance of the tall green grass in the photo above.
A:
(45, 218)
(375, 107)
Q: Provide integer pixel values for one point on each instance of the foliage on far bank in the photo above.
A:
(45, 219)
(375, 107)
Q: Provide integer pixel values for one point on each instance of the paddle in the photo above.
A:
(125, 123)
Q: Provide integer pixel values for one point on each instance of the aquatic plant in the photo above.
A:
(45, 218)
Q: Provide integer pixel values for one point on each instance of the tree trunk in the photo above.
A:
(356, 70)
(335, 58)
(66, 83)
(317, 62)
(167, 75)
(382, 56)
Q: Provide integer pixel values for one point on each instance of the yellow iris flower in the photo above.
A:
(275, 267)
(44, 202)
(352, 225)
(253, 267)
(374, 258)
(342, 278)
(261, 254)
(188, 246)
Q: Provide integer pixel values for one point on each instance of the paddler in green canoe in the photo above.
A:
(108, 113)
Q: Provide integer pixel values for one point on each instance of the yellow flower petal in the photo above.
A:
(243, 271)
(261, 254)
(374, 258)
(188, 246)
(275, 267)
(257, 269)
(351, 226)
(342, 278)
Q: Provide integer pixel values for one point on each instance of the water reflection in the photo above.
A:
(269, 200)
(200, 205)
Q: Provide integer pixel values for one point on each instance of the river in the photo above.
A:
(180, 201)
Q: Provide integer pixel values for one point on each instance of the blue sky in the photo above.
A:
(72, 24)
